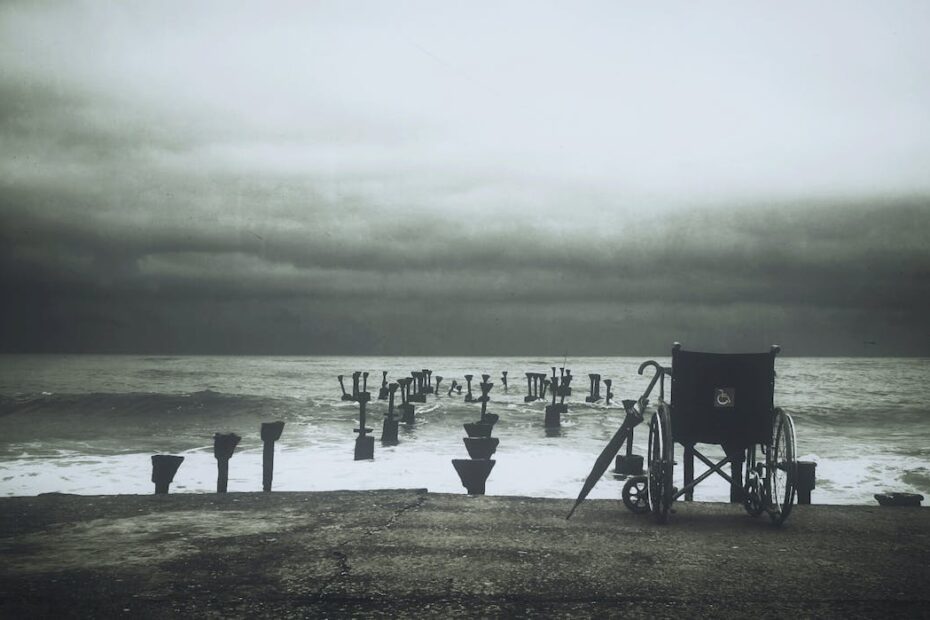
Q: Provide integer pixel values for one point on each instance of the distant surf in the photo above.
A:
(88, 424)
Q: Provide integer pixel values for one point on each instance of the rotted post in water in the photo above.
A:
(383, 391)
(504, 379)
(364, 445)
(389, 426)
(468, 395)
(224, 444)
(355, 377)
(271, 432)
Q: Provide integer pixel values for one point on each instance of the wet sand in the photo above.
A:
(409, 553)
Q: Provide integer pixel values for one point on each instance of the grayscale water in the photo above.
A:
(89, 424)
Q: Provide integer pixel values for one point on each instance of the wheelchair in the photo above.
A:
(724, 399)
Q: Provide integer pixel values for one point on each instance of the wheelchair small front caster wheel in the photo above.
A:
(635, 494)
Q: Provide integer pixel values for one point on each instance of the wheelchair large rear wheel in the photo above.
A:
(781, 468)
(661, 464)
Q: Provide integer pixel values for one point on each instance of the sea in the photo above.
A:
(88, 424)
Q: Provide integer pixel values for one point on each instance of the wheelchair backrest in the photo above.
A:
(722, 398)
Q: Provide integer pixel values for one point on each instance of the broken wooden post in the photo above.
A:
(164, 467)
(438, 381)
(364, 445)
(504, 379)
(530, 387)
(406, 409)
(468, 396)
(595, 394)
(452, 387)
(365, 382)
(345, 395)
(389, 427)
(545, 385)
(223, 447)
(555, 410)
(610, 394)
(417, 396)
(271, 432)
(427, 381)
(383, 391)
(355, 380)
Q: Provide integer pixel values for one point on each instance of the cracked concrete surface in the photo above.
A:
(411, 553)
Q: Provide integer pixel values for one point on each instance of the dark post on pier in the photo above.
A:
(364, 445)
(164, 467)
(468, 396)
(389, 426)
(224, 444)
(271, 432)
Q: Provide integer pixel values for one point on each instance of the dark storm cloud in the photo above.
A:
(377, 182)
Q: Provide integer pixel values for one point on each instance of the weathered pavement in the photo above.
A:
(411, 553)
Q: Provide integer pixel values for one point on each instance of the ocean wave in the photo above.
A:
(143, 403)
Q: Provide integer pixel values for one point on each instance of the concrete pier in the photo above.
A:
(409, 553)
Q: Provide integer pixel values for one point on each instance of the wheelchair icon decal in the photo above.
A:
(725, 397)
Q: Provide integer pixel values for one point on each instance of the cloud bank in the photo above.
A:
(424, 179)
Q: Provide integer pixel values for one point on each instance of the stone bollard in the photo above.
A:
(438, 381)
(383, 391)
(389, 427)
(364, 444)
(223, 447)
(468, 396)
(504, 379)
(629, 464)
(610, 394)
(405, 408)
(345, 395)
(473, 473)
(164, 467)
(807, 480)
(271, 432)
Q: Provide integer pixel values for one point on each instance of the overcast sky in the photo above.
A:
(465, 178)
